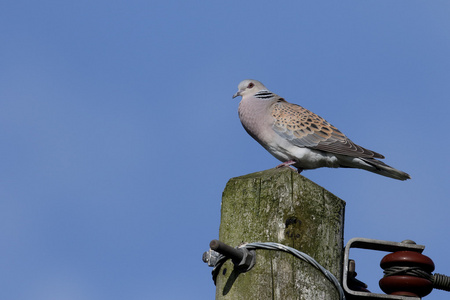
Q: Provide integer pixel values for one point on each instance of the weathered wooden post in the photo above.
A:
(279, 205)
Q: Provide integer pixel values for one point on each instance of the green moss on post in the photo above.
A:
(279, 205)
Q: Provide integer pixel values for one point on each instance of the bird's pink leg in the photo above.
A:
(289, 164)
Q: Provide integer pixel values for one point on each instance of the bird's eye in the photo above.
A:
(250, 85)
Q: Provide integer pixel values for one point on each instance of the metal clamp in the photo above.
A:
(371, 244)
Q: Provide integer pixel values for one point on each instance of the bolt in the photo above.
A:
(410, 242)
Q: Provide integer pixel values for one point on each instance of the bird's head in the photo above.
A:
(249, 87)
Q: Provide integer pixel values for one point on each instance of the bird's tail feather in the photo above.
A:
(381, 168)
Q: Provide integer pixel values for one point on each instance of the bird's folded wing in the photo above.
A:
(306, 129)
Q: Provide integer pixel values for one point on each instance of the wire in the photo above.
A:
(441, 282)
(280, 247)
(303, 256)
(411, 271)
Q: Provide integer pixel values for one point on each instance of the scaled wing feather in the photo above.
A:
(306, 129)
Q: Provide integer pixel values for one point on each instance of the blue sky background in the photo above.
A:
(119, 133)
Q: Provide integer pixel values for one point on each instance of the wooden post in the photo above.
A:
(281, 206)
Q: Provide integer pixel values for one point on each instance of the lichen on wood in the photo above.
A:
(279, 205)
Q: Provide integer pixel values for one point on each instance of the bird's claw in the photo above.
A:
(289, 164)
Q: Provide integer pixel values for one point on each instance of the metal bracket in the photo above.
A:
(378, 245)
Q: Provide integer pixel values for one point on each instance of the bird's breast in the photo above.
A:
(256, 119)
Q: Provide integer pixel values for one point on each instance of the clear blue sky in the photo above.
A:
(119, 133)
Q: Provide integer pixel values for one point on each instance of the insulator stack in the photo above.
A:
(407, 273)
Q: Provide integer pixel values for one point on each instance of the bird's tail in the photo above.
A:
(381, 168)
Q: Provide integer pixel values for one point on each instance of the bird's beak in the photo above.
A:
(237, 94)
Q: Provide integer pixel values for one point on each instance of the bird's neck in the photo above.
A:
(264, 95)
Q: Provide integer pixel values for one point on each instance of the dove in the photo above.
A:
(300, 138)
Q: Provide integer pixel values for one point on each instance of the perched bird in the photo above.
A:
(300, 138)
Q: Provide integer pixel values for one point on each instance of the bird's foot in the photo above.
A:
(289, 164)
(286, 164)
